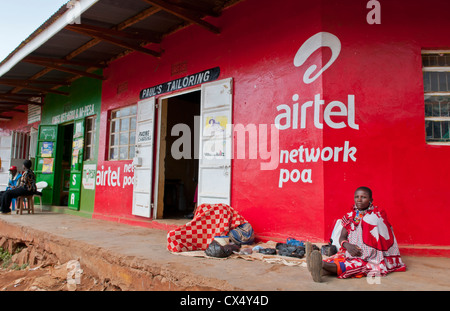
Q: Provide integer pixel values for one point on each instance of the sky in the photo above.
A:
(20, 18)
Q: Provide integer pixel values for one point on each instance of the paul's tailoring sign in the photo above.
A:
(174, 85)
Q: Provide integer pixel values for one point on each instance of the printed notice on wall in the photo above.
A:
(89, 176)
(34, 113)
(144, 133)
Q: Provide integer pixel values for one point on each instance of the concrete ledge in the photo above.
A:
(136, 258)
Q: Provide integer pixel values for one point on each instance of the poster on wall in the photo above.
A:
(79, 130)
(89, 176)
(77, 146)
(47, 166)
(214, 129)
(47, 149)
(215, 126)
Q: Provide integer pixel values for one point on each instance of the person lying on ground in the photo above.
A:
(368, 245)
(27, 186)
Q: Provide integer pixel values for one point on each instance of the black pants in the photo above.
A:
(7, 196)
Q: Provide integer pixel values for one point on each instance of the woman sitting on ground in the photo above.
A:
(27, 186)
(368, 244)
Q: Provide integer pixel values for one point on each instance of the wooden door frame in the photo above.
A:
(158, 188)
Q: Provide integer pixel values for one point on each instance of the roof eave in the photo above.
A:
(45, 32)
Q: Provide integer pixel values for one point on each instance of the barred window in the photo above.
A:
(122, 137)
(436, 80)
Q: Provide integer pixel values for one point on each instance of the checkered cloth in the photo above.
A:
(210, 220)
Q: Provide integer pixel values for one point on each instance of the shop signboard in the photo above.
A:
(181, 83)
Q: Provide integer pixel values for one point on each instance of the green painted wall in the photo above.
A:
(84, 100)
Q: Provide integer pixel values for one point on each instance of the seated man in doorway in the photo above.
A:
(26, 186)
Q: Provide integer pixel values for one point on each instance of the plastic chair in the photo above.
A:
(39, 187)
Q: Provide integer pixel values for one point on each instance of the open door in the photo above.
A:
(214, 175)
(45, 165)
(143, 161)
(76, 167)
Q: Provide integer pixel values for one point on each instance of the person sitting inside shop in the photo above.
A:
(26, 186)
(14, 177)
(368, 245)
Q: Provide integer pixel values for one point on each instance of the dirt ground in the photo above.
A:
(43, 279)
(52, 277)
(28, 268)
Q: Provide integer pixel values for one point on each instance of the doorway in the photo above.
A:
(178, 175)
(64, 176)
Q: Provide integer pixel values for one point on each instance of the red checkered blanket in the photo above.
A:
(210, 220)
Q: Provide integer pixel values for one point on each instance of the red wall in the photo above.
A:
(19, 121)
(379, 64)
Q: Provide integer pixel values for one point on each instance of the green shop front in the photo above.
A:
(66, 156)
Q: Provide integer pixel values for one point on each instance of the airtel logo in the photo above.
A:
(321, 39)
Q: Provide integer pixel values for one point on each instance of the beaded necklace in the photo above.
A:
(360, 214)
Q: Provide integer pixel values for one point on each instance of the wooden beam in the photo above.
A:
(58, 61)
(200, 11)
(184, 14)
(134, 47)
(11, 101)
(137, 18)
(34, 81)
(65, 69)
(135, 35)
(127, 23)
(12, 109)
(35, 88)
(9, 95)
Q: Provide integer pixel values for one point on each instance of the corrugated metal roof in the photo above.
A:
(44, 25)
(125, 24)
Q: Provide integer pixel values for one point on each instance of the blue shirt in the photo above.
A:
(12, 182)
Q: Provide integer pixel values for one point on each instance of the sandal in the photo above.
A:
(315, 266)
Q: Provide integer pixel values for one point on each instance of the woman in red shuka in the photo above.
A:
(368, 245)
